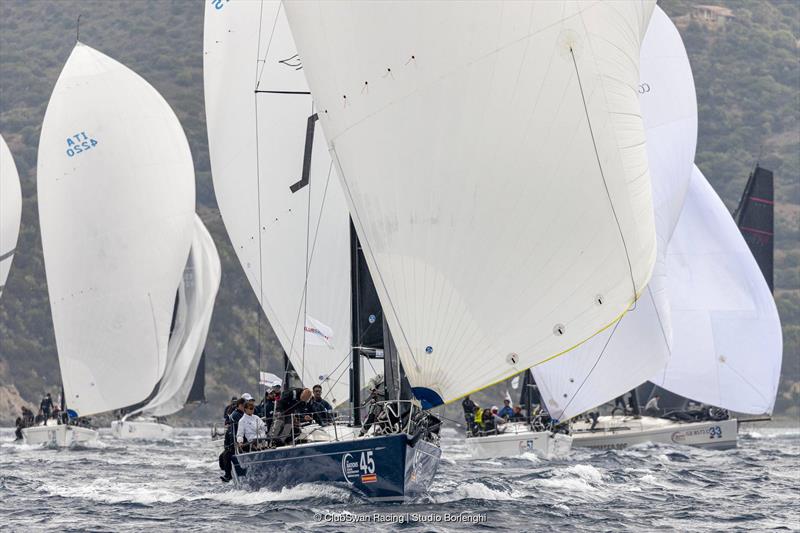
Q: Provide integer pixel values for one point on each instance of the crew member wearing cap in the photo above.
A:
(230, 436)
(251, 428)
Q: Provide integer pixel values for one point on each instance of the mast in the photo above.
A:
(355, 369)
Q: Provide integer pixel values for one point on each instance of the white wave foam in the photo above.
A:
(300, 492)
(475, 491)
(532, 457)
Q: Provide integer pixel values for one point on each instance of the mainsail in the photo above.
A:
(198, 291)
(632, 351)
(727, 344)
(755, 217)
(10, 210)
(493, 159)
(116, 206)
(276, 187)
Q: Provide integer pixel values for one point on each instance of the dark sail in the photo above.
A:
(755, 217)
(667, 402)
(198, 392)
(529, 392)
(367, 313)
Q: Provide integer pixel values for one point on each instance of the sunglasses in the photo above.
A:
(249, 407)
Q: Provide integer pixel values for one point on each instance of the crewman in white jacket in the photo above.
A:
(251, 427)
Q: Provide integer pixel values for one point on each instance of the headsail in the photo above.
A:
(727, 348)
(198, 292)
(632, 351)
(276, 188)
(116, 206)
(10, 210)
(494, 162)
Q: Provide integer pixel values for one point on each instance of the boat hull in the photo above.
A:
(141, 429)
(544, 444)
(58, 435)
(388, 468)
(613, 433)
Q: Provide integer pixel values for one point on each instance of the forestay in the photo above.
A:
(494, 161)
(197, 293)
(628, 354)
(116, 207)
(277, 191)
(10, 210)
(727, 344)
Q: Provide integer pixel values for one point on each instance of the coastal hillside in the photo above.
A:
(745, 59)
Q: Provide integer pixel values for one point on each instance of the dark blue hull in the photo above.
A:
(380, 468)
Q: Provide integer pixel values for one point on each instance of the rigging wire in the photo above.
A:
(258, 204)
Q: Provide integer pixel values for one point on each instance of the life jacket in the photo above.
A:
(479, 416)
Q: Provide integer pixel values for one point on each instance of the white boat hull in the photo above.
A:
(517, 440)
(58, 435)
(141, 429)
(614, 433)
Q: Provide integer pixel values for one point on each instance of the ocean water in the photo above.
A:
(134, 486)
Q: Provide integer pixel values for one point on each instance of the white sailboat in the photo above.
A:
(727, 342)
(459, 134)
(195, 304)
(10, 211)
(116, 205)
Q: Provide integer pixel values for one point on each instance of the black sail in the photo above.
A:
(755, 217)
(198, 392)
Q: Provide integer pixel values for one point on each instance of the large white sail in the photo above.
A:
(727, 344)
(10, 210)
(264, 144)
(197, 293)
(628, 354)
(493, 157)
(116, 207)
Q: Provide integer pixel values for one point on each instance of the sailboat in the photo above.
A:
(458, 133)
(727, 342)
(116, 204)
(287, 218)
(184, 376)
(10, 211)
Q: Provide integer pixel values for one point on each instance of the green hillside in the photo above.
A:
(747, 75)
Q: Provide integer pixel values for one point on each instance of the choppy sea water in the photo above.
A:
(133, 486)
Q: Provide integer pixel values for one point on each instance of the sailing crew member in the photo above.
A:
(251, 427)
(46, 406)
(469, 414)
(291, 410)
(518, 415)
(377, 395)
(230, 437)
(506, 412)
(652, 408)
(321, 410)
(229, 409)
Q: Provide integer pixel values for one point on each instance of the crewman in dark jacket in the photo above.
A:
(230, 437)
(46, 406)
(321, 410)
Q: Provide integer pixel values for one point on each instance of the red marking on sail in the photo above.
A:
(758, 231)
(762, 200)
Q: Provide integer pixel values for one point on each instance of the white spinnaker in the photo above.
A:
(116, 206)
(462, 134)
(10, 210)
(198, 291)
(627, 355)
(727, 344)
(257, 144)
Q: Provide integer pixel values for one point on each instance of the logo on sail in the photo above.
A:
(79, 143)
(317, 333)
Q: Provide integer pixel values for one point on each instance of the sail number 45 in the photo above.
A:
(367, 465)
